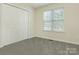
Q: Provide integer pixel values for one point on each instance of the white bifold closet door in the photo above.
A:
(14, 24)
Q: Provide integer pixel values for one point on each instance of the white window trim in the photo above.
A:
(52, 30)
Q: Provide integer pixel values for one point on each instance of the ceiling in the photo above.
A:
(32, 5)
(36, 5)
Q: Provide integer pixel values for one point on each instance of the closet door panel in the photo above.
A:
(14, 24)
(23, 24)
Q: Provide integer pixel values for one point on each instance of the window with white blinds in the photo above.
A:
(54, 20)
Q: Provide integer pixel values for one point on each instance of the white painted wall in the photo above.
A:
(14, 25)
(71, 23)
(0, 24)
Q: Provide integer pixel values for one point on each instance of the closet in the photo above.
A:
(14, 24)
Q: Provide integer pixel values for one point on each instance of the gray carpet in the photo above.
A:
(40, 46)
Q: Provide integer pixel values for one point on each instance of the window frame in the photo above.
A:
(52, 22)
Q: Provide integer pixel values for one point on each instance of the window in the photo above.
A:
(54, 20)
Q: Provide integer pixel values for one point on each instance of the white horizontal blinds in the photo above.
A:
(48, 20)
(54, 20)
(58, 20)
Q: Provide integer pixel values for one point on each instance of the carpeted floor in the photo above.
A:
(40, 46)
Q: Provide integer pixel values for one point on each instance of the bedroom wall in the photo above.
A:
(71, 23)
(0, 24)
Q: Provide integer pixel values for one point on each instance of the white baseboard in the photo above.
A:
(2, 45)
(60, 40)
